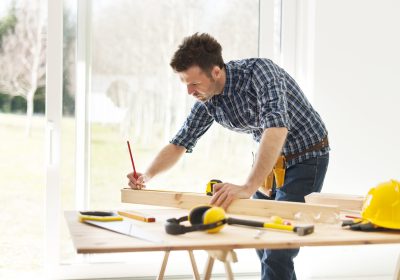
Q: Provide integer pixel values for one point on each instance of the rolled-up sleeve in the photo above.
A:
(196, 124)
(272, 100)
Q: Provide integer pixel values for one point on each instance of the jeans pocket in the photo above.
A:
(300, 178)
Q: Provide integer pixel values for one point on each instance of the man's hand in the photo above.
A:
(226, 193)
(139, 183)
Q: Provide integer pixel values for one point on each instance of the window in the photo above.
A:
(132, 94)
(136, 96)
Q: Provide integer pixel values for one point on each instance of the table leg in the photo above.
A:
(196, 274)
(228, 270)
(396, 275)
(208, 268)
(163, 266)
(225, 256)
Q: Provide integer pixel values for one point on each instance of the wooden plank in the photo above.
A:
(345, 202)
(253, 207)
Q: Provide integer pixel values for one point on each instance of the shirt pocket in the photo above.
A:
(239, 117)
(246, 116)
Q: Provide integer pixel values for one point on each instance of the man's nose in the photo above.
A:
(190, 90)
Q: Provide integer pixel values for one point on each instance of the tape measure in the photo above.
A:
(210, 186)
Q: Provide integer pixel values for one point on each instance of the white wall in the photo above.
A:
(357, 92)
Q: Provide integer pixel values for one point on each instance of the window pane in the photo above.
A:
(136, 96)
(22, 180)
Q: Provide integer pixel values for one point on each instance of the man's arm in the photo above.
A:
(164, 160)
(270, 148)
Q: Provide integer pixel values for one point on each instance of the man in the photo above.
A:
(257, 97)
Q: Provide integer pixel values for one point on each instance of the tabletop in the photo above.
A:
(91, 239)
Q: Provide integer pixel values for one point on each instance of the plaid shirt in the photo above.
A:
(258, 94)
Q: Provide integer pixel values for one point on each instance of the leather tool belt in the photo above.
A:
(278, 172)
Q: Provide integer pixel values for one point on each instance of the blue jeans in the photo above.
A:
(300, 179)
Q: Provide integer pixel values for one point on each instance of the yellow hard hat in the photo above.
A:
(382, 205)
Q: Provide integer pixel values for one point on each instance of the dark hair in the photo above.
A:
(198, 50)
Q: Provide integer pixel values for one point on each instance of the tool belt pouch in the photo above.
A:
(277, 173)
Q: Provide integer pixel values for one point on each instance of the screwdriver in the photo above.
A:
(300, 230)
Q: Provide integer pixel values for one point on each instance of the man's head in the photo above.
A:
(200, 50)
(199, 63)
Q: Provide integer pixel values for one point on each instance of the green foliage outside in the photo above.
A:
(7, 23)
(18, 104)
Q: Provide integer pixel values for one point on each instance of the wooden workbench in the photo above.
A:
(90, 239)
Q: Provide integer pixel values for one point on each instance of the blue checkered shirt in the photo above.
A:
(258, 94)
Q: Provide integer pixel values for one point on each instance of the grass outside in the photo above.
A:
(218, 155)
(22, 198)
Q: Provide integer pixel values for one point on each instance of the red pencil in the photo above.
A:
(133, 163)
(352, 217)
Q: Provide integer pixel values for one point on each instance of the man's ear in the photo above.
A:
(216, 72)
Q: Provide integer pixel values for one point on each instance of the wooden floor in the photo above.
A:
(252, 277)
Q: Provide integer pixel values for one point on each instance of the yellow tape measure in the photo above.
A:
(210, 186)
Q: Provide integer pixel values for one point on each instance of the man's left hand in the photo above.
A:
(226, 193)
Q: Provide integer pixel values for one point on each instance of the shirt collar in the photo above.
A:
(228, 88)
